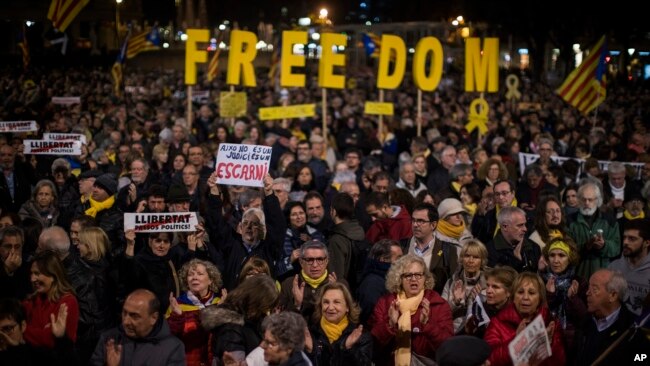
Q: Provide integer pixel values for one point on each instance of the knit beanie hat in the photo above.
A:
(107, 182)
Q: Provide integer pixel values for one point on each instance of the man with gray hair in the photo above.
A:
(617, 187)
(608, 321)
(281, 188)
(439, 178)
(459, 175)
(595, 232)
(511, 247)
(408, 179)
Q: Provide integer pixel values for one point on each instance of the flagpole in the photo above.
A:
(232, 119)
(189, 108)
(419, 117)
(380, 125)
(324, 103)
(479, 135)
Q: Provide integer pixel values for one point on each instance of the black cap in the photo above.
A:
(93, 173)
(107, 182)
(454, 351)
(282, 132)
(177, 193)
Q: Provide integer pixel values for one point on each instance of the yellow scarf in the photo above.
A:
(407, 307)
(629, 216)
(96, 206)
(455, 186)
(314, 283)
(450, 230)
(513, 204)
(471, 208)
(333, 331)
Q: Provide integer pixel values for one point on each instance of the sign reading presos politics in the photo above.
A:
(65, 137)
(18, 126)
(45, 147)
(243, 165)
(160, 222)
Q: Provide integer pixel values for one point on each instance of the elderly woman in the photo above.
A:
(338, 339)
(529, 302)
(200, 283)
(235, 323)
(284, 340)
(468, 281)
(53, 296)
(411, 320)
(492, 171)
(43, 205)
(298, 232)
(450, 232)
(566, 291)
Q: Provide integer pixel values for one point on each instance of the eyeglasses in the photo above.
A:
(266, 343)
(503, 193)
(413, 276)
(8, 328)
(317, 260)
(418, 222)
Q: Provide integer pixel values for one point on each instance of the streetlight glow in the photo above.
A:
(119, 1)
(323, 13)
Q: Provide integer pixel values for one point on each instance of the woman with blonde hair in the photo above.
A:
(93, 244)
(467, 283)
(337, 337)
(411, 320)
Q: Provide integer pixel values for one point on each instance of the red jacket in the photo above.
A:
(503, 329)
(37, 311)
(395, 228)
(425, 338)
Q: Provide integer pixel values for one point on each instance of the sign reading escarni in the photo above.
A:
(45, 147)
(243, 165)
(160, 222)
(18, 126)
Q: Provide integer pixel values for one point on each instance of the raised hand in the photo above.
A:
(331, 278)
(426, 308)
(113, 353)
(268, 184)
(58, 324)
(393, 314)
(13, 261)
(354, 337)
(298, 291)
(212, 184)
(142, 205)
(522, 326)
(176, 309)
(224, 294)
(573, 289)
(130, 242)
(550, 285)
(458, 292)
(309, 342)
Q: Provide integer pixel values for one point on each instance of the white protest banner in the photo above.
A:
(44, 147)
(527, 159)
(18, 126)
(200, 95)
(531, 342)
(65, 137)
(243, 165)
(66, 100)
(160, 222)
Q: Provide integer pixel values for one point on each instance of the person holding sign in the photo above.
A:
(254, 236)
(529, 302)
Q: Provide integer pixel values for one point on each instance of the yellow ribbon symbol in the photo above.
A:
(478, 116)
(512, 83)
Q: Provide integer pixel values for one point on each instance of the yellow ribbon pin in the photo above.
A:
(478, 116)
(512, 83)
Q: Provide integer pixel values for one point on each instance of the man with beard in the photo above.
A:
(595, 232)
(635, 263)
(130, 195)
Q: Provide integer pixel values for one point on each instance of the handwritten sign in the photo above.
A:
(292, 111)
(243, 165)
(531, 342)
(160, 222)
(232, 104)
(384, 109)
(18, 126)
(45, 147)
(65, 137)
(66, 100)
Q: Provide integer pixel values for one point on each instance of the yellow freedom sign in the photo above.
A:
(292, 111)
(384, 109)
(232, 104)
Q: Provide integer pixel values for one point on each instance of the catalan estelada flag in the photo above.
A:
(372, 44)
(585, 88)
(62, 12)
(24, 47)
(213, 66)
(118, 67)
(145, 41)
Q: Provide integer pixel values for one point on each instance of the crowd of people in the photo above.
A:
(365, 246)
